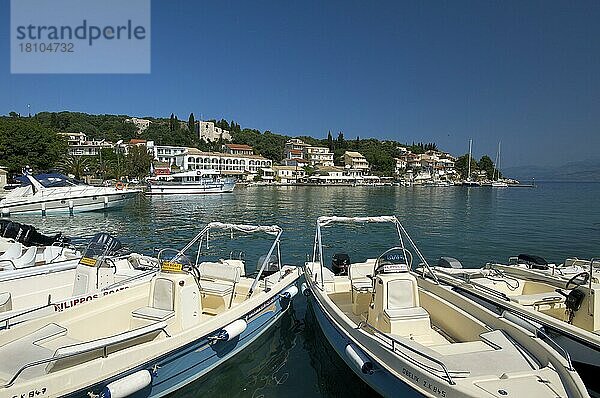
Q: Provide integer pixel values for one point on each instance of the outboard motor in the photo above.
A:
(102, 244)
(271, 267)
(533, 262)
(340, 263)
(449, 262)
(28, 235)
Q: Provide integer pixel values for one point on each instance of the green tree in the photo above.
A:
(329, 141)
(75, 165)
(24, 142)
(172, 122)
(462, 165)
(486, 164)
(191, 123)
(138, 162)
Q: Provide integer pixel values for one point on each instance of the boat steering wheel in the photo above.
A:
(574, 281)
(380, 262)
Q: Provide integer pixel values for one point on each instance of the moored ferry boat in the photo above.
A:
(190, 182)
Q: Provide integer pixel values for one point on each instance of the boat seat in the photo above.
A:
(538, 298)
(407, 313)
(239, 264)
(28, 349)
(162, 302)
(362, 285)
(218, 279)
(82, 352)
(12, 251)
(5, 302)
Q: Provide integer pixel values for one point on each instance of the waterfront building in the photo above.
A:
(318, 156)
(140, 124)
(355, 164)
(400, 166)
(294, 148)
(241, 166)
(238, 149)
(167, 153)
(209, 132)
(79, 145)
(331, 175)
(289, 174)
(296, 162)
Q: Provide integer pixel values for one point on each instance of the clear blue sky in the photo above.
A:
(523, 72)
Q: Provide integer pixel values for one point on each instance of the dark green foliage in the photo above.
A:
(138, 162)
(486, 164)
(462, 165)
(191, 124)
(25, 142)
(97, 127)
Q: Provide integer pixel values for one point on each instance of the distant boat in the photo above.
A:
(190, 182)
(496, 183)
(468, 182)
(56, 193)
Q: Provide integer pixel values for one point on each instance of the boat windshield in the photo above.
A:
(50, 180)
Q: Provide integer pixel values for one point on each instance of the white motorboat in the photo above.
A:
(44, 289)
(190, 182)
(55, 193)
(152, 339)
(569, 268)
(406, 335)
(549, 305)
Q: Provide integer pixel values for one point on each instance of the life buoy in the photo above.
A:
(119, 185)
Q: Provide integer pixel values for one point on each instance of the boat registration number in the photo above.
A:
(171, 266)
(87, 261)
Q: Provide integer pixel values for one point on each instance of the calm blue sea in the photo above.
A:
(475, 225)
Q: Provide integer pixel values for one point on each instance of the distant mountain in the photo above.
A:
(583, 170)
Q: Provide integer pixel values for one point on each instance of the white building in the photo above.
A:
(238, 149)
(167, 153)
(294, 148)
(140, 124)
(355, 164)
(318, 156)
(210, 132)
(288, 174)
(79, 145)
(236, 165)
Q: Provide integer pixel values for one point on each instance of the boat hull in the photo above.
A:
(585, 354)
(188, 363)
(190, 189)
(381, 380)
(69, 205)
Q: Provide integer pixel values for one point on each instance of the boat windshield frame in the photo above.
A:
(402, 235)
(204, 237)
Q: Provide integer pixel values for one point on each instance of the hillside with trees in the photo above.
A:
(34, 141)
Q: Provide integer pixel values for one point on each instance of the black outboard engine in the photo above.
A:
(533, 262)
(102, 244)
(340, 263)
(271, 267)
(28, 235)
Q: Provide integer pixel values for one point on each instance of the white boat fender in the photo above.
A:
(127, 385)
(359, 359)
(289, 293)
(305, 290)
(232, 330)
(526, 324)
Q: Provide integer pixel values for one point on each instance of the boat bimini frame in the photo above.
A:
(203, 237)
(400, 230)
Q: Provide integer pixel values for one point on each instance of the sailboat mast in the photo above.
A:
(469, 172)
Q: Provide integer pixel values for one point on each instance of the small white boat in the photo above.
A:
(190, 182)
(152, 339)
(61, 285)
(565, 310)
(61, 195)
(406, 335)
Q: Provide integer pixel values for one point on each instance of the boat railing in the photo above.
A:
(29, 311)
(103, 347)
(393, 342)
(132, 278)
(476, 285)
